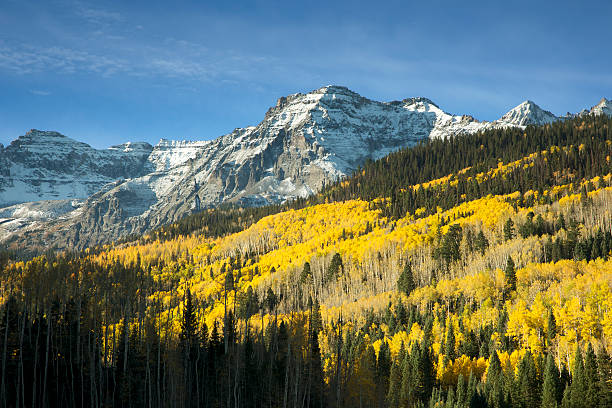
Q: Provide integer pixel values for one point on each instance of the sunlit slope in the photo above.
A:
(349, 256)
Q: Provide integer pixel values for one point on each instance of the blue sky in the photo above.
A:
(107, 72)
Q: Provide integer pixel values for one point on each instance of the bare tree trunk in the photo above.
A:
(21, 388)
(44, 394)
(4, 347)
(35, 371)
(287, 376)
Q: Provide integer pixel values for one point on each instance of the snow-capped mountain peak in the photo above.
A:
(528, 113)
(305, 141)
(604, 107)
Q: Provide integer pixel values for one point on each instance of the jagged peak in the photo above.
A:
(43, 133)
(41, 137)
(336, 89)
(419, 100)
(528, 113)
(604, 107)
(132, 146)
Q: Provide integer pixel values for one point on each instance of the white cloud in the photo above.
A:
(96, 15)
(39, 92)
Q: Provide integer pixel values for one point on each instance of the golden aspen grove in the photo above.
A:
(474, 271)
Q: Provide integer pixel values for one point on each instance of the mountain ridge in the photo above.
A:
(304, 142)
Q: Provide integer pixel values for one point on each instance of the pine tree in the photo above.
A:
(508, 229)
(406, 391)
(591, 378)
(528, 383)
(335, 267)
(539, 226)
(494, 383)
(578, 385)
(383, 368)
(604, 366)
(423, 376)
(189, 327)
(306, 275)
(551, 390)
(315, 368)
(481, 242)
(395, 381)
(405, 282)
(449, 344)
(510, 274)
(271, 300)
(551, 330)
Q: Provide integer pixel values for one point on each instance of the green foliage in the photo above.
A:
(271, 300)
(508, 229)
(306, 275)
(528, 390)
(405, 282)
(248, 304)
(481, 243)
(335, 267)
(448, 250)
(551, 329)
(449, 344)
(510, 276)
(551, 389)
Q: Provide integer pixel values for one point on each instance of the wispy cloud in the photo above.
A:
(39, 92)
(170, 59)
(96, 15)
(27, 59)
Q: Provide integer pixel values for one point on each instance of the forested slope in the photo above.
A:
(474, 271)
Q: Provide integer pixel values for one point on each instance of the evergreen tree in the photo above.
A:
(481, 243)
(335, 267)
(578, 388)
(604, 366)
(551, 389)
(189, 327)
(528, 383)
(395, 380)
(306, 275)
(406, 392)
(424, 377)
(271, 300)
(494, 383)
(508, 229)
(383, 369)
(405, 282)
(510, 275)
(551, 330)
(591, 378)
(539, 226)
(449, 344)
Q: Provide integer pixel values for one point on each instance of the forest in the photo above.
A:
(474, 271)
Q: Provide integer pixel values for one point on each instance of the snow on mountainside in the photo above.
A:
(50, 166)
(604, 107)
(303, 142)
(528, 113)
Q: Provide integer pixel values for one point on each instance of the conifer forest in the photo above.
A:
(471, 271)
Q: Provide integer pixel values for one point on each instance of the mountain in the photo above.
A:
(393, 295)
(528, 113)
(304, 142)
(604, 107)
(50, 166)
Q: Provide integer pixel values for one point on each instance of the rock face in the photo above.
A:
(50, 166)
(528, 113)
(303, 142)
(604, 107)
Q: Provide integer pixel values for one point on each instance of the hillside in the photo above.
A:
(471, 271)
(304, 142)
